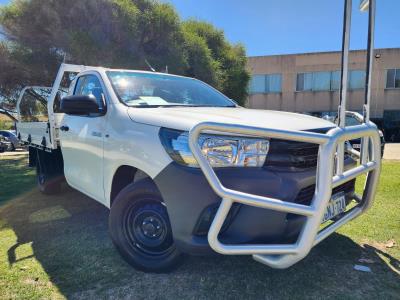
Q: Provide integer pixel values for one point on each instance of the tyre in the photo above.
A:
(45, 183)
(140, 228)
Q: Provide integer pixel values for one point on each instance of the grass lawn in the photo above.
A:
(58, 247)
(15, 178)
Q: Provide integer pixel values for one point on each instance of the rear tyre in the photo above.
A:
(140, 229)
(46, 184)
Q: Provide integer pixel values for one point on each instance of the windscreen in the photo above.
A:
(351, 121)
(154, 90)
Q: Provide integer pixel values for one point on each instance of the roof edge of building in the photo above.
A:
(322, 52)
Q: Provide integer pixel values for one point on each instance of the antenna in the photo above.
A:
(365, 5)
(343, 81)
(148, 64)
(368, 5)
(345, 63)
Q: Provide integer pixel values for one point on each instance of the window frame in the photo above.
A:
(396, 70)
(349, 79)
(266, 79)
(330, 82)
(75, 83)
(267, 83)
(313, 85)
(339, 80)
(264, 82)
(27, 91)
(107, 77)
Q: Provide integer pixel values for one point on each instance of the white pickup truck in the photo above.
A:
(184, 169)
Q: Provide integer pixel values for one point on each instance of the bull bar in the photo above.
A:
(329, 174)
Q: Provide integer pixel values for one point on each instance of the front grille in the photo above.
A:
(293, 154)
(306, 194)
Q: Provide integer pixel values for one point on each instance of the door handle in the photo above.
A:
(64, 128)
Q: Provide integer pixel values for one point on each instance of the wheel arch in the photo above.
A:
(125, 175)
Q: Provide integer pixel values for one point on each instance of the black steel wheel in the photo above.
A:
(141, 230)
(147, 228)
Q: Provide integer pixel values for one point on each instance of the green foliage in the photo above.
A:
(200, 61)
(228, 63)
(6, 124)
(40, 34)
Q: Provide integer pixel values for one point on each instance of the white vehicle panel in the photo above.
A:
(82, 148)
(131, 144)
(184, 118)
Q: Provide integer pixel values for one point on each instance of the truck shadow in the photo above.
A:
(69, 237)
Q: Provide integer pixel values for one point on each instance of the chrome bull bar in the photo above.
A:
(328, 176)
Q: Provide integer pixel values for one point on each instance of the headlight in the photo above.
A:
(221, 151)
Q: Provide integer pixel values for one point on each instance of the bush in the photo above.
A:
(41, 34)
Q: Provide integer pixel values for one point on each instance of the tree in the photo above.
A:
(227, 63)
(40, 34)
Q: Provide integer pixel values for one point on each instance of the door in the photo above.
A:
(82, 140)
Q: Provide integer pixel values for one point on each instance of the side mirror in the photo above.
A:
(80, 105)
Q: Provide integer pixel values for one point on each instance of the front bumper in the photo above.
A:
(330, 174)
(189, 199)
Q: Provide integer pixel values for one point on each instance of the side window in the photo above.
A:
(65, 83)
(57, 102)
(79, 85)
(33, 106)
(90, 85)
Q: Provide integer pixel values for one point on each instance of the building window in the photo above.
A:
(269, 83)
(356, 79)
(257, 84)
(335, 81)
(304, 82)
(321, 81)
(314, 81)
(393, 79)
(328, 81)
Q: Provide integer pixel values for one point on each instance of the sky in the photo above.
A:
(268, 27)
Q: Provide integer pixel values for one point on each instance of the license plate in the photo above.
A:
(357, 146)
(336, 206)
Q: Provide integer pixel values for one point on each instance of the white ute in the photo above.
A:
(183, 169)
